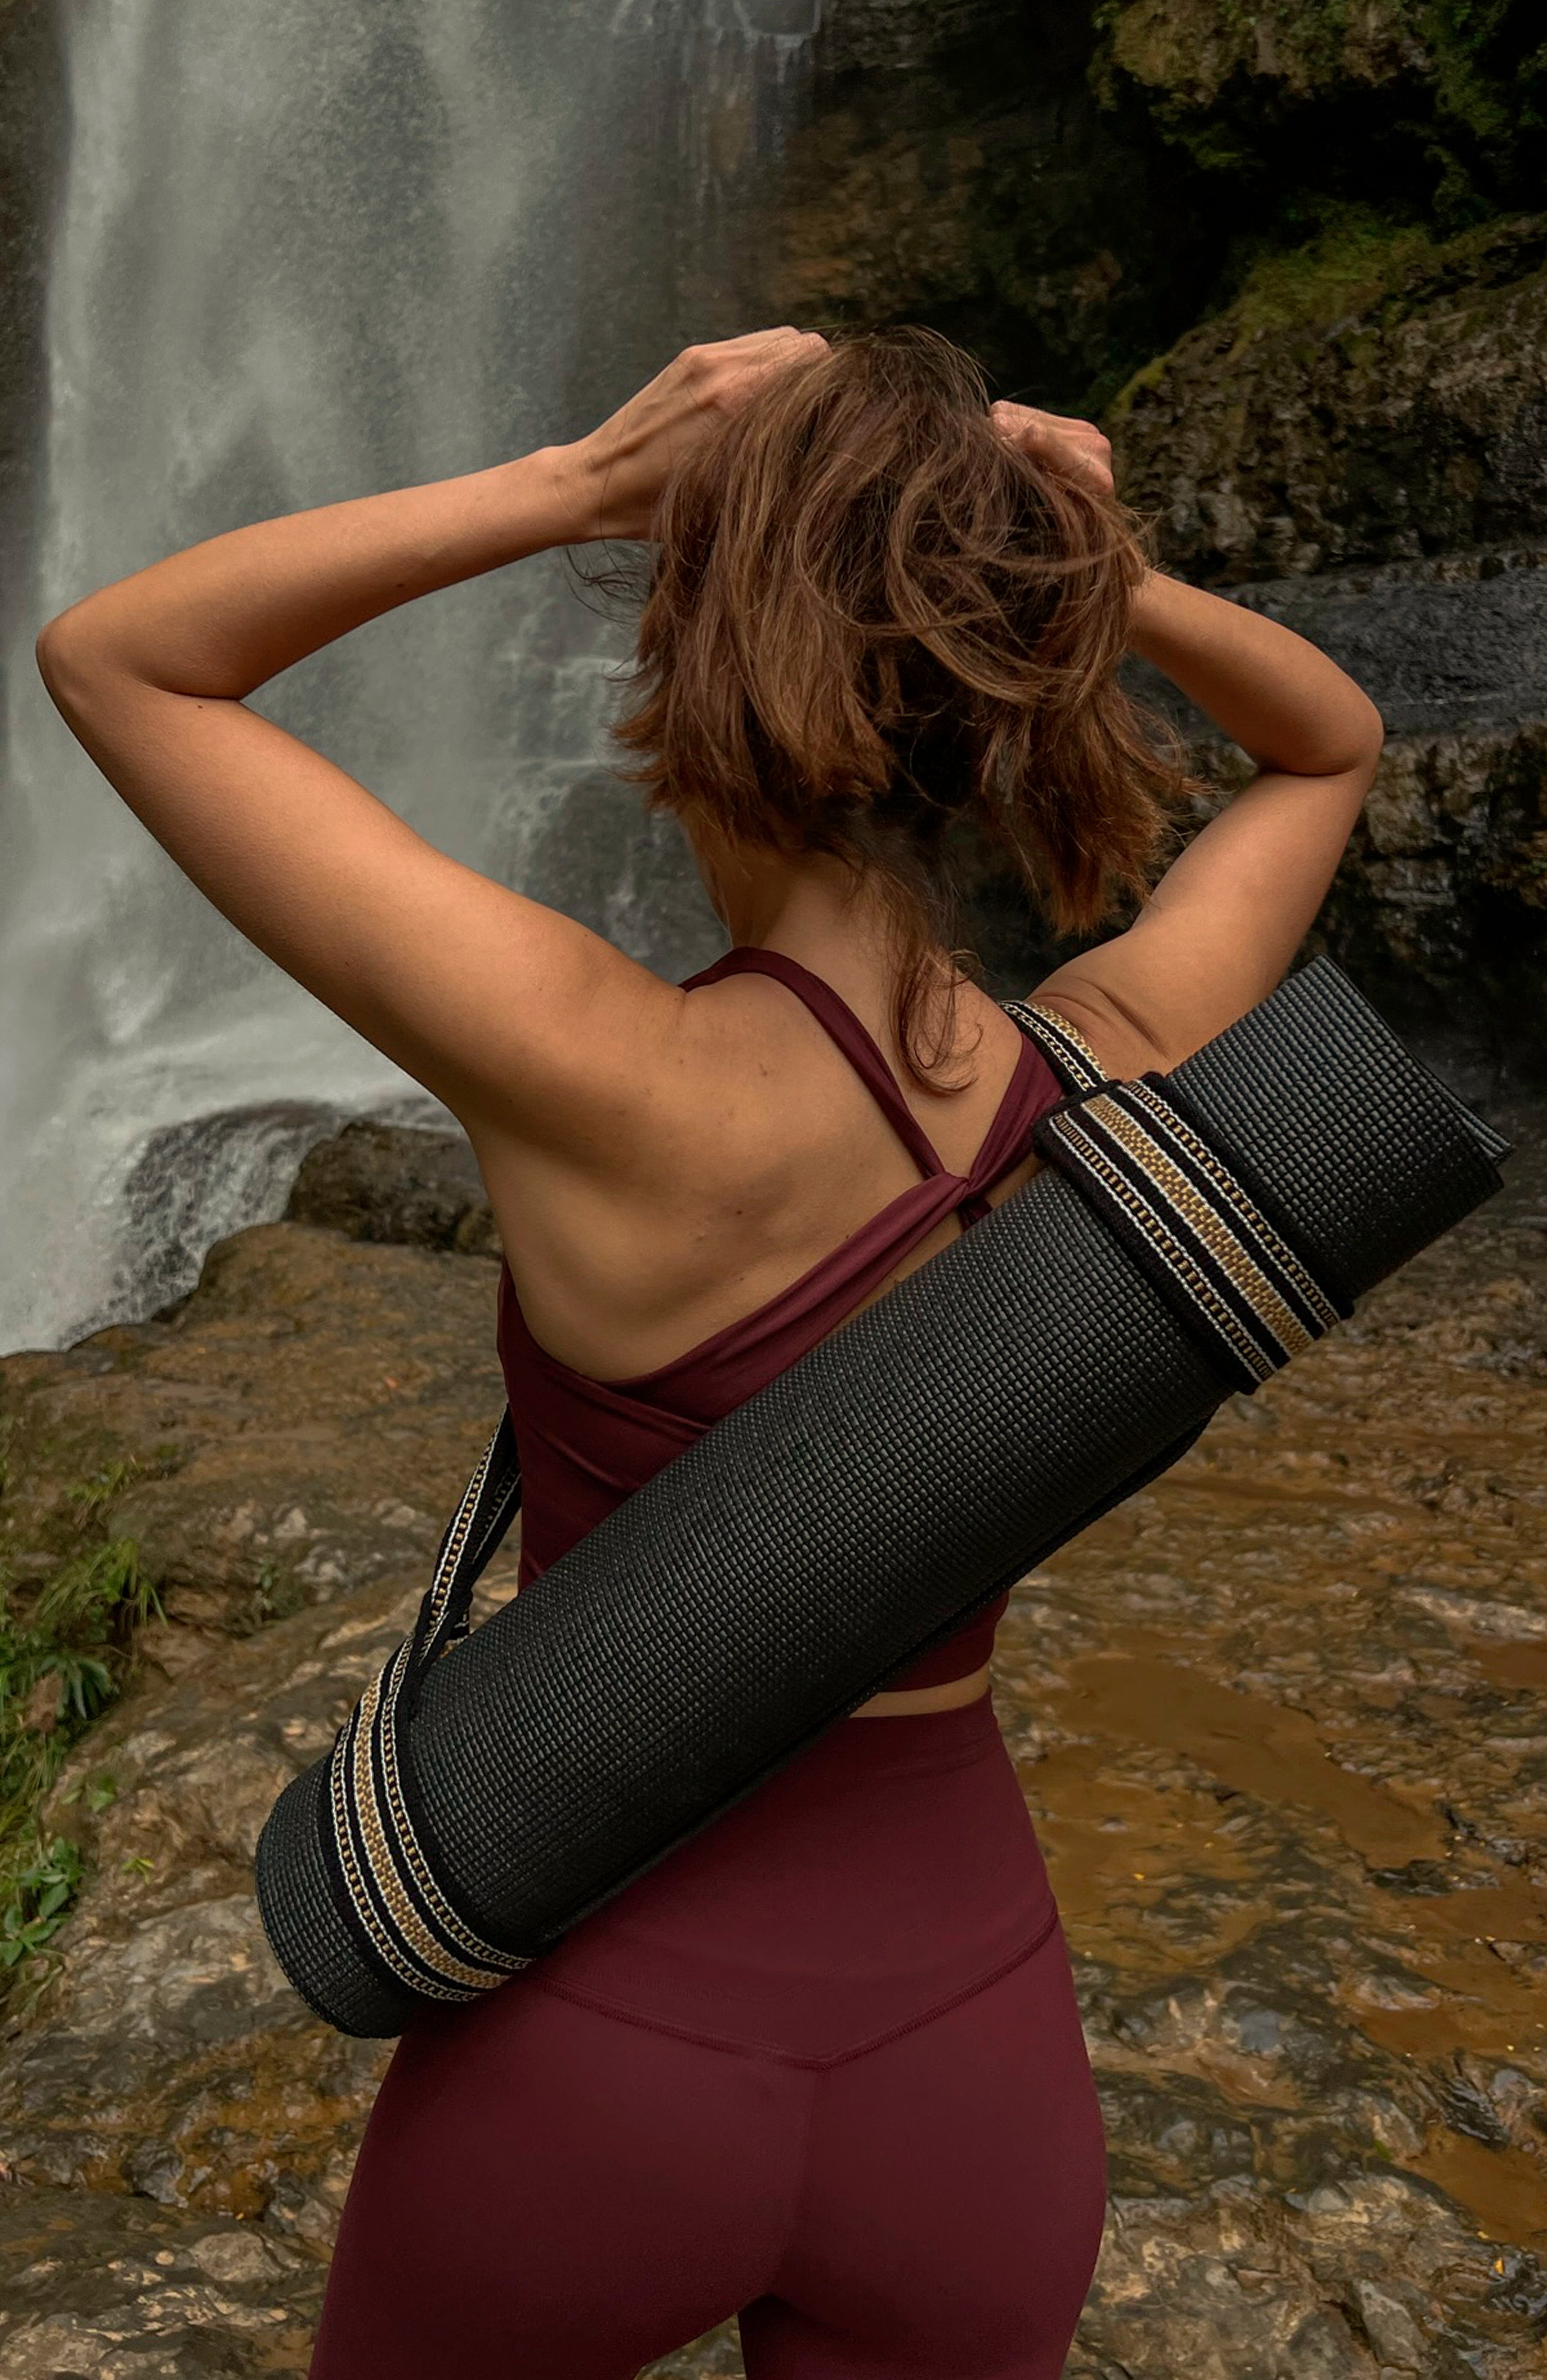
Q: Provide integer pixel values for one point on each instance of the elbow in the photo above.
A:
(71, 659)
(1370, 730)
(57, 655)
(1351, 742)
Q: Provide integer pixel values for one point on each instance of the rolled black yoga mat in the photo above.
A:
(867, 1502)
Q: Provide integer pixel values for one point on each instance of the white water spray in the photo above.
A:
(305, 253)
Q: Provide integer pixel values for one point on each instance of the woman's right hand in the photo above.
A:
(1080, 446)
(621, 469)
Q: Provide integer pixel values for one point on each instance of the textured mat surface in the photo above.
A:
(865, 1502)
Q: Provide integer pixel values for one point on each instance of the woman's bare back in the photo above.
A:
(767, 1152)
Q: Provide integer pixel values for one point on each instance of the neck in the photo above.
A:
(811, 908)
(808, 906)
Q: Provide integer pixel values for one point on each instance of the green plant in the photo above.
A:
(277, 1594)
(36, 1899)
(88, 1496)
(65, 1653)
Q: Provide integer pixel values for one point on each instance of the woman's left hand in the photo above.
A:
(621, 469)
(1080, 446)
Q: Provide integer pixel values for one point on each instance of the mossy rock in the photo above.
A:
(1383, 397)
(1439, 105)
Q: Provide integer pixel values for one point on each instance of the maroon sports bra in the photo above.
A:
(586, 1444)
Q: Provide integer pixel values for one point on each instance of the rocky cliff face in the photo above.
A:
(1325, 226)
(1358, 445)
(1432, 109)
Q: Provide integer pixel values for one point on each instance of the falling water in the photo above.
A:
(304, 252)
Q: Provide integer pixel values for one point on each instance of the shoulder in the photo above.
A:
(608, 1070)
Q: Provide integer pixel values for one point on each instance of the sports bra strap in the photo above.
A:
(843, 1028)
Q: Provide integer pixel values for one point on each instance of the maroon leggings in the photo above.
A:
(822, 2068)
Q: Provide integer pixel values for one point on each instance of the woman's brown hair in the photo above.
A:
(872, 622)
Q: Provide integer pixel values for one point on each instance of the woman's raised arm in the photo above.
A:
(1227, 919)
(508, 1011)
(437, 966)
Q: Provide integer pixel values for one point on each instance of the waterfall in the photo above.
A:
(305, 253)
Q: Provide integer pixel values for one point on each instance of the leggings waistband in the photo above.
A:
(888, 1870)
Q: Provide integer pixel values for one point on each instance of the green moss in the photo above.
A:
(1186, 50)
(1437, 104)
(1358, 266)
(1355, 262)
(1148, 375)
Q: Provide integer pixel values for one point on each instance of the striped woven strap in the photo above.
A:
(1225, 1270)
(400, 1912)
(1067, 1052)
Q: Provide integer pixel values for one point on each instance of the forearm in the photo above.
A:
(219, 619)
(1276, 695)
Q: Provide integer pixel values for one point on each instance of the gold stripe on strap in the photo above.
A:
(1224, 1182)
(1233, 1258)
(1164, 1240)
(411, 1934)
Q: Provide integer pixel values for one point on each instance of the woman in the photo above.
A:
(823, 2066)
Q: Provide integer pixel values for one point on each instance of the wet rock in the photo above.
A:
(295, 1429)
(1440, 907)
(1278, 1720)
(377, 1181)
(168, 2055)
(1384, 403)
(1449, 647)
(113, 2287)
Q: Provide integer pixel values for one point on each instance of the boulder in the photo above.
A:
(377, 1181)
(1376, 398)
